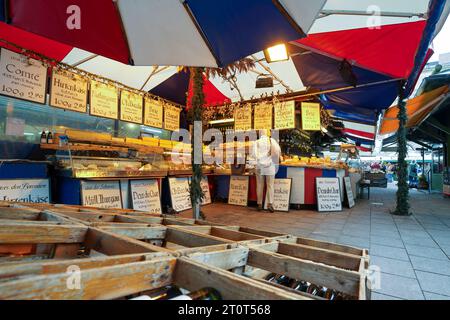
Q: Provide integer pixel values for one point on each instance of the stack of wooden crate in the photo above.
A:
(122, 252)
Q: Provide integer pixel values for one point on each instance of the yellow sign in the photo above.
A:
(130, 107)
(263, 116)
(243, 118)
(68, 91)
(104, 100)
(284, 115)
(171, 118)
(153, 113)
(310, 116)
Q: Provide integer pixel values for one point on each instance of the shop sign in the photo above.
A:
(310, 116)
(328, 194)
(180, 194)
(153, 113)
(145, 196)
(282, 195)
(263, 116)
(25, 190)
(104, 101)
(284, 115)
(131, 107)
(22, 77)
(171, 118)
(238, 193)
(243, 118)
(205, 187)
(68, 91)
(349, 192)
(101, 194)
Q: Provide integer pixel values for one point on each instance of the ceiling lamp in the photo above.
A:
(276, 53)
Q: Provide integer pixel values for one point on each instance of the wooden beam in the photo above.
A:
(19, 214)
(100, 283)
(317, 273)
(233, 235)
(329, 246)
(140, 233)
(41, 233)
(193, 275)
(225, 259)
(191, 239)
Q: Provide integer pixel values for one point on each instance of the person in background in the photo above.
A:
(267, 153)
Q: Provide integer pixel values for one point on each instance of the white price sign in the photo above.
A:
(205, 187)
(145, 196)
(281, 196)
(349, 192)
(238, 193)
(22, 77)
(328, 194)
(25, 190)
(101, 194)
(180, 194)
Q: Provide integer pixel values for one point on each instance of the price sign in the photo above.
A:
(238, 193)
(130, 107)
(68, 91)
(22, 77)
(205, 187)
(145, 195)
(284, 115)
(104, 100)
(328, 194)
(263, 116)
(101, 194)
(179, 194)
(153, 113)
(243, 118)
(349, 192)
(282, 195)
(171, 118)
(25, 190)
(310, 116)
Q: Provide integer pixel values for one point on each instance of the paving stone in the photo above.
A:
(434, 283)
(434, 296)
(426, 252)
(400, 287)
(380, 296)
(425, 242)
(354, 241)
(431, 265)
(393, 266)
(389, 252)
(387, 241)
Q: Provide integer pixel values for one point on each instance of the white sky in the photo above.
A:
(441, 43)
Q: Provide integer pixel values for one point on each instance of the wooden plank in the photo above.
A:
(197, 229)
(226, 259)
(176, 222)
(99, 283)
(89, 216)
(112, 244)
(41, 233)
(191, 239)
(319, 274)
(138, 219)
(217, 247)
(332, 258)
(193, 275)
(140, 233)
(329, 246)
(29, 222)
(49, 216)
(117, 224)
(303, 294)
(233, 235)
(263, 233)
(18, 214)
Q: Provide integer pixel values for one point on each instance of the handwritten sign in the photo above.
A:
(171, 118)
(68, 91)
(281, 196)
(104, 100)
(243, 118)
(25, 190)
(179, 194)
(328, 194)
(153, 113)
(263, 116)
(284, 115)
(130, 107)
(205, 187)
(22, 77)
(101, 194)
(310, 116)
(349, 192)
(145, 195)
(238, 193)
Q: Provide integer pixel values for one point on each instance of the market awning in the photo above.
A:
(417, 109)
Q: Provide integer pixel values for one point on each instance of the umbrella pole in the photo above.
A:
(403, 188)
(198, 99)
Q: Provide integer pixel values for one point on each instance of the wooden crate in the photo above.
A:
(120, 276)
(28, 242)
(257, 261)
(14, 215)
